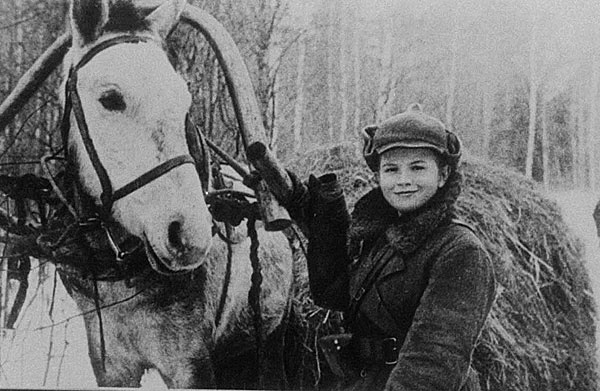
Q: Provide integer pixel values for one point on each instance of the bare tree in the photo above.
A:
(487, 113)
(330, 69)
(592, 130)
(545, 148)
(299, 103)
(451, 89)
(356, 60)
(344, 71)
(533, 95)
(386, 74)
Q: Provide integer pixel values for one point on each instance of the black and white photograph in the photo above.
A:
(327, 195)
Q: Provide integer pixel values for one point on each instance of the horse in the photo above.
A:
(174, 296)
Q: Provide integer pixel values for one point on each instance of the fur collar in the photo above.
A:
(373, 217)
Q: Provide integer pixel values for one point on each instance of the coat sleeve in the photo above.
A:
(327, 253)
(437, 351)
(319, 208)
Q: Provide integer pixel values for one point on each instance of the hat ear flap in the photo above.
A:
(454, 147)
(369, 153)
(369, 132)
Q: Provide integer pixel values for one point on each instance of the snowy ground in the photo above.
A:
(37, 354)
(34, 356)
(577, 210)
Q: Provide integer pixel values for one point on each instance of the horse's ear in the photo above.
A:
(165, 17)
(88, 17)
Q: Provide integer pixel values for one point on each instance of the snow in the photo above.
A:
(577, 208)
(36, 354)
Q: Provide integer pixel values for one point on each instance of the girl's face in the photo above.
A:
(409, 177)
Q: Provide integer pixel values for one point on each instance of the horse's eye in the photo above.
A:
(112, 100)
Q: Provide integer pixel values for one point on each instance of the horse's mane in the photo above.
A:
(123, 16)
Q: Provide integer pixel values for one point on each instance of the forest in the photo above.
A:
(518, 81)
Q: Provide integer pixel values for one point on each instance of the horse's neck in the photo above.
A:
(234, 317)
(216, 293)
(227, 281)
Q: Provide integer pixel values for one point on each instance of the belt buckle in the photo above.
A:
(390, 350)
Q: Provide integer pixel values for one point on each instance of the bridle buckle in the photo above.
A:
(120, 255)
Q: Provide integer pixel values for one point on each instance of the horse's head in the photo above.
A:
(128, 139)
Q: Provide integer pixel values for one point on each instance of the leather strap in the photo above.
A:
(75, 100)
(73, 103)
(151, 175)
(196, 144)
(380, 258)
(108, 43)
(376, 350)
(199, 151)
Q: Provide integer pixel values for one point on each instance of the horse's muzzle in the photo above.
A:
(180, 257)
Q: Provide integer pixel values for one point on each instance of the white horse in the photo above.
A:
(188, 315)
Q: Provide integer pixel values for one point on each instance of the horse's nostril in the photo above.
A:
(175, 235)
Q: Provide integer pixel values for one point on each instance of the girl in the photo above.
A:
(415, 284)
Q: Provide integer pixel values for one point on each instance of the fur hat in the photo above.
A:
(410, 129)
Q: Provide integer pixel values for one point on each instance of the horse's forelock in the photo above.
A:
(124, 16)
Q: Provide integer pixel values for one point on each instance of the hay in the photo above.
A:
(540, 333)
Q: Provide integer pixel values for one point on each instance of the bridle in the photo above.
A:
(198, 150)
(73, 103)
(198, 155)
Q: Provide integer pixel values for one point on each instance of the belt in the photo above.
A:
(377, 350)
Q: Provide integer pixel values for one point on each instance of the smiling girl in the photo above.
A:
(414, 283)
(409, 177)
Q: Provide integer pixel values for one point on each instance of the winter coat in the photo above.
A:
(432, 289)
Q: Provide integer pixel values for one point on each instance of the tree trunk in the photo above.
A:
(575, 168)
(357, 69)
(385, 81)
(533, 90)
(299, 104)
(488, 108)
(3, 289)
(451, 92)
(592, 131)
(263, 66)
(579, 137)
(344, 72)
(330, 87)
(18, 55)
(545, 149)
(5, 78)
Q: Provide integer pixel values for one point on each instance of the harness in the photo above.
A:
(198, 155)
(87, 216)
(73, 103)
